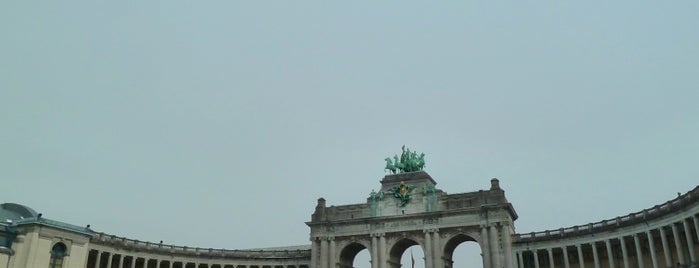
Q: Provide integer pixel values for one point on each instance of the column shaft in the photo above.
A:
(690, 242)
(520, 259)
(323, 252)
(99, 258)
(314, 254)
(666, 248)
(110, 259)
(375, 252)
(594, 254)
(678, 245)
(610, 254)
(485, 246)
(639, 253)
(428, 250)
(331, 258)
(566, 264)
(651, 247)
(551, 263)
(437, 252)
(133, 262)
(536, 258)
(382, 251)
(696, 226)
(121, 261)
(507, 246)
(581, 257)
(624, 253)
(494, 247)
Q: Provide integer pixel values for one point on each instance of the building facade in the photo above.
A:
(408, 210)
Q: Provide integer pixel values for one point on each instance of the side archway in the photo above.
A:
(468, 249)
(349, 253)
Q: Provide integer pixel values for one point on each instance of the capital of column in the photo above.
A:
(377, 234)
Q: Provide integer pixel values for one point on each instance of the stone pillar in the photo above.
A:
(566, 264)
(494, 247)
(99, 258)
(690, 242)
(610, 254)
(624, 253)
(375, 252)
(678, 244)
(581, 257)
(696, 225)
(331, 258)
(437, 252)
(666, 248)
(133, 262)
(536, 258)
(551, 263)
(507, 246)
(520, 259)
(428, 249)
(594, 254)
(639, 252)
(382, 251)
(314, 253)
(121, 261)
(110, 259)
(323, 252)
(651, 247)
(485, 246)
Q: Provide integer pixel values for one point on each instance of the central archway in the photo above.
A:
(397, 255)
(351, 254)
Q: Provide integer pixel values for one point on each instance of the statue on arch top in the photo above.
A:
(408, 162)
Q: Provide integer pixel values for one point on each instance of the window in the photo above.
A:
(58, 251)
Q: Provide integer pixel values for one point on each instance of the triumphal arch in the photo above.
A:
(410, 210)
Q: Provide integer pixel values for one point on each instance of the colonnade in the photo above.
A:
(637, 247)
(107, 259)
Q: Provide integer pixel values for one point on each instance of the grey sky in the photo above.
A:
(218, 124)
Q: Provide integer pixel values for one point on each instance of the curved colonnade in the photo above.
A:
(108, 251)
(665, 235)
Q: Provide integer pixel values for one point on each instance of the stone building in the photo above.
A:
(408, 210)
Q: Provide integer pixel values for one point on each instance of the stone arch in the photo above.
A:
(398, 248)
(453, 242)
(348, 252)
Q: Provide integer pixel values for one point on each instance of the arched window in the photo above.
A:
(58, 251)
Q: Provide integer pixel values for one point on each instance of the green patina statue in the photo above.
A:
(408, 162)
(402, 192)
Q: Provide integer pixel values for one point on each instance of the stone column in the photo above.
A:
(99, 258)
(314, 253)
(696, 225)
(624, 253)
(690, 243)
(437, 252)
(610, 254)
(551, 263)
(133, 262)
(494, 247)
(536, 258)
(678, 244)
(639, 252)
(331, 258)
(382, 251)
(323, 252)
(520, 259)
(110, 259)
(485, 246)
(666, 248)
(428, 249)
(121, 261)
(651, 247)
(581, 257)
(594, 254)
(566, 264)
(507, 245)
(375, 252)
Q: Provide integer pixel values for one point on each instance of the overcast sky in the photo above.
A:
(219, 124)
